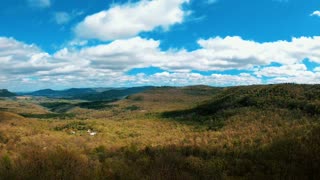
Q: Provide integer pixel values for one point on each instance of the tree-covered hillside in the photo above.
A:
(6, 93)
(297, 100)
(199, 132)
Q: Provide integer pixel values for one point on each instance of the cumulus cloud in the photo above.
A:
(235, 50)
(214, 54)
(293, 73)
(308, 78)
(119, 55)
(19, 58)
(107, 64)
(285, 70)
(183, 79)
(39, 3)
(315, 13)
(128, 20)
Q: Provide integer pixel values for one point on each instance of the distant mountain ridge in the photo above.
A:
(61, 93)
(114, 93)
(91, 94)
(6, 93)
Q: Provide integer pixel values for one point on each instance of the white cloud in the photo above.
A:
(294, 73)
(183, 79)
(18, 58)
(106, 64)
(120, 55)
(39, 3)
(285, 70)
(236, 51)
(128, 20)
(308, 78)
(213, 54)
(315, 13)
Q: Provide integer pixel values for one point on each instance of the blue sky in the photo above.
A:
(97, 43)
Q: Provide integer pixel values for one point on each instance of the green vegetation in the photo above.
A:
(77, 125)
(199, 132)
(132, 108)
(48, 116)
(97, 105)
(58, 107)
(63, 106)
(113, 94)
(295, 101)
(6, 93)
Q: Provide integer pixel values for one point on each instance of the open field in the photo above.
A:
(199, 132)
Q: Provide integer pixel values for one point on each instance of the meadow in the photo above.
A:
(196, 132)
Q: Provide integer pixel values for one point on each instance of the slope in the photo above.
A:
(294, 101)
(6, 93)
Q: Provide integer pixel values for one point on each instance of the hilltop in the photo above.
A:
(162, 99)
(6, 93)
(6, 116)
(112, 93)
(294, 100)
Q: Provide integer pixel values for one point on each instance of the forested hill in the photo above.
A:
(91, 94)
(293, 99)
(6, 93)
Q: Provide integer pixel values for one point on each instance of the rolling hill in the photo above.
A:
(69, 93)
(196, 132)
(91, 94)
(162, 99)
(6, 93)
(6, 116)
(292, 100)
(112, 94)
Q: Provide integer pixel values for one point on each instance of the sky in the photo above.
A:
(60, 44)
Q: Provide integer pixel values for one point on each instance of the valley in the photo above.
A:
(194, 132)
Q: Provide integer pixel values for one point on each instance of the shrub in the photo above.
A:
(132, 108)
(76, 125)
